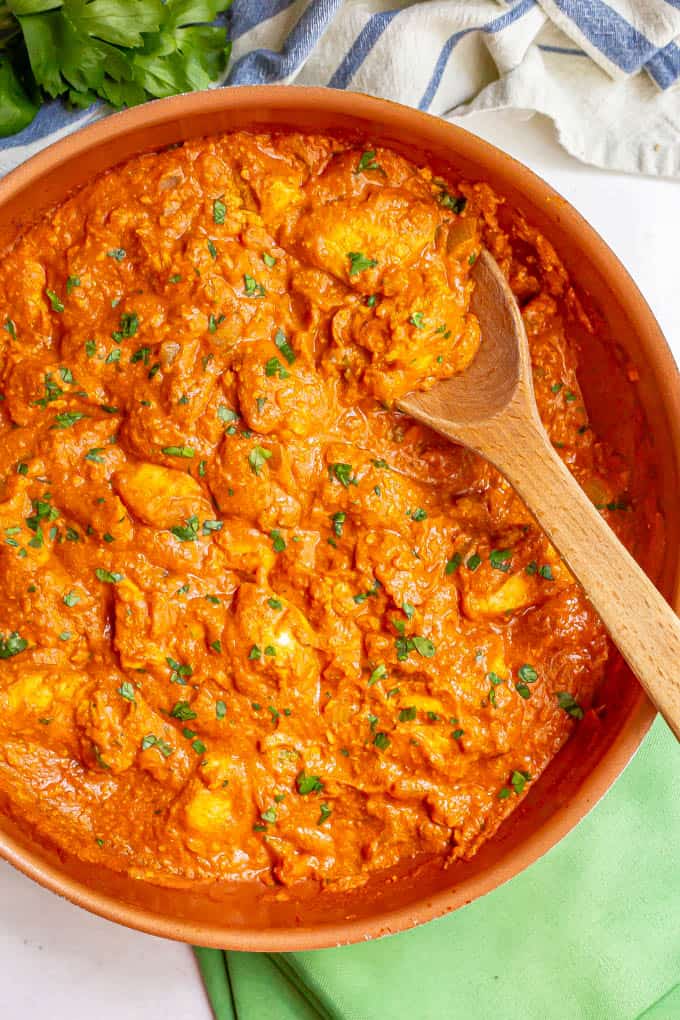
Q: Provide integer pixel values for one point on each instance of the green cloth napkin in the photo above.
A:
(589, 932)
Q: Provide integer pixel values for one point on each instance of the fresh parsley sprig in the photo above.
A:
(121, 51)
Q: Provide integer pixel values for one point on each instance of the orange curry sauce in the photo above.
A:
(254, 621)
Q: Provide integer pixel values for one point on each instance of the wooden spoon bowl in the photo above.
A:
(492, 409)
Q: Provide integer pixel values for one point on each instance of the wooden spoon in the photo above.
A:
(491, 409)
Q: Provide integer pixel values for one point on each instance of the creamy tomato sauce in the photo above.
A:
(255, 622)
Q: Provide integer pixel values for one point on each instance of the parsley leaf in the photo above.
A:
(359, 262)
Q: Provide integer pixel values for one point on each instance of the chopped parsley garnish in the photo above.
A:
(180, 671)
(67, 418)
(274, 367)
(453, 564)
(281, 341)
(127, 691)
(269, 815)
(343, 473)
(150, 740)
(71, 282)
(379, 673)
(212, 249)
(219, 211)
(473, 561)
(183, 711)
(359, 262)
(278, 543)
(57, 305)
(209, 526)
(11, 328)
(569, 703)
(226, 414)
(129, 323)
(417, 320)
(117, 253)
(220, 709)
(371, 300)
(257, 458)
(308, 784)
(252, 287)
(455, 202)
(418, 514)
(408, 714)
(178, 451)
(324, 815)
(527, 673)
(275, 604)
(12, 645)
(457, 734)
(499, 559)
(187, 532)
(216, 646)
(381, 740)
(107, 577)
(141, 354)
(367, 162)
(338, 520)
(519, 781)
(112, 357)
(71, 599)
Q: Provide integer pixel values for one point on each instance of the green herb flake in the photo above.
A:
(71, 599)
(252, 287)
(183, 711)
(268, 260)
(67, 418)
(408, 714)
(453, 564)
(358, 262)
(71, 282)
(325, 813)
(278, 544)
(417, 320)
(220, 709)
(473, 562)
(367, 162)
(107, 577)
(12, 645)
(500, 559)
(343, 474)
(57, 305)
(381, 740)
(187, 532)
(569, 703)
(219, 211)
(307, 784)
(519, 780)
(281, 341)
(257, 458)
(118, 254)
(186, 452)
(379, 673)
(127, 691)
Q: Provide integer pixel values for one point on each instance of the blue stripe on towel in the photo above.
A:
(491, 27)
(664, 66)
(609, 32)
(562, 49)
(260, 67)
(360, 48)
(246, 14)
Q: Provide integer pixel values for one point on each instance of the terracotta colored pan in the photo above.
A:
(250, 916)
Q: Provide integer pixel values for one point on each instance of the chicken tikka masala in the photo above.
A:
(255, 621)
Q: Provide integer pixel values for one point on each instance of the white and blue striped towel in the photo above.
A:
(604, 72)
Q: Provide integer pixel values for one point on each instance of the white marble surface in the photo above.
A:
(61, 963)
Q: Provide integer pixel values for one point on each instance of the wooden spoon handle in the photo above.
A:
(639, 620)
